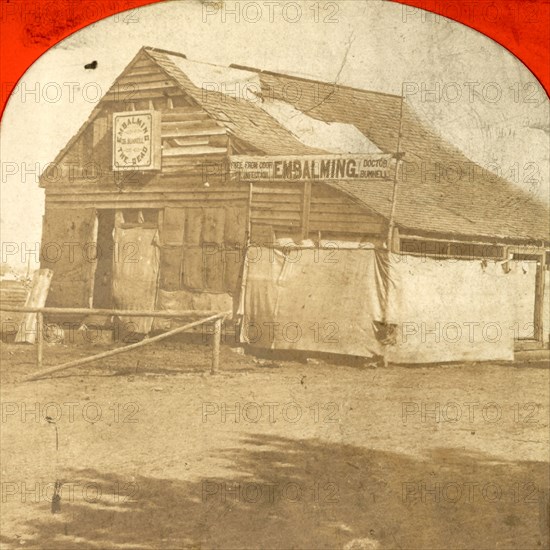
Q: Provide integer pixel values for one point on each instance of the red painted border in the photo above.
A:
(30, 27)
(521, 26)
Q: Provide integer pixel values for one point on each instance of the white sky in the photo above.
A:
(373, 45)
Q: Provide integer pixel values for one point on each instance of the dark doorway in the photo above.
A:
(103, 280)
(528, 303)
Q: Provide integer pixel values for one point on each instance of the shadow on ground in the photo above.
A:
(291, 494)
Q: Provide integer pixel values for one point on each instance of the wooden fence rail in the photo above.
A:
(216, 317)
(108, 312)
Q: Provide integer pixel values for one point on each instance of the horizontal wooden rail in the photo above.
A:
(166, 314)
(218, 319)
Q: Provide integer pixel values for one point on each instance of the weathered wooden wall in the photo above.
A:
(191, 139)
(68, 250)
(309, 210)
(202, 248)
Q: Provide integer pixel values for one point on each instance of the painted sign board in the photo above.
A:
(136, 141)
(312, 167)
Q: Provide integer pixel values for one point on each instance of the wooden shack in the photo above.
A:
(155, 199)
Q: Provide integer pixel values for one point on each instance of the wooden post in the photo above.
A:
(249, 213)
(39, 338)
(216, 339)
(538, 331)
(306, 207)
(544, 516)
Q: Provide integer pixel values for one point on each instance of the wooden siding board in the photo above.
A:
(191, 150)
(192, 132)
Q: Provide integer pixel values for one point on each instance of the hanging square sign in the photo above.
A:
(136, 141)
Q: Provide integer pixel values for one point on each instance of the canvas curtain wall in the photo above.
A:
(452, 310)
(313, 299)
(440, 310)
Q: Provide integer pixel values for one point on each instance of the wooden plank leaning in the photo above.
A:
(36, 299)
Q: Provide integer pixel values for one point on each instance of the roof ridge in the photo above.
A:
(272, 73)
(306, 79)
(169, 52)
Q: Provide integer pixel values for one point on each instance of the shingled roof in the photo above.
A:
(478, 204)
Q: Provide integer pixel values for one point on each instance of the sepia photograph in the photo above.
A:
(274, 275)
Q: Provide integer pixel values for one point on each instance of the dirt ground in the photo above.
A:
(154, 452)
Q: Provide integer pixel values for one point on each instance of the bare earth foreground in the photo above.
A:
(153, 452)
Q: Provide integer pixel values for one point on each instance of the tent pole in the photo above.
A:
(398, 155)
(391, 222)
